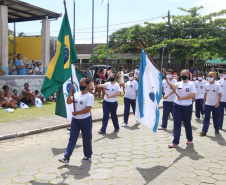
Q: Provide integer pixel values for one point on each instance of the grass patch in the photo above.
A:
(48, 109)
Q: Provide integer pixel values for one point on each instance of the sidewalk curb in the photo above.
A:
(45, 129)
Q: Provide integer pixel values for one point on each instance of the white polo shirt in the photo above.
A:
(199, 89)
(184, 89)
(212, 91)
(223, 87)
(111, 89)
(168, 90)
(81, 102)
(131, 88)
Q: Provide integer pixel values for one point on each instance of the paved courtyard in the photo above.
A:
(133, 156)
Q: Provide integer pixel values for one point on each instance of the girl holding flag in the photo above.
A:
(182, 107)
(81, 120)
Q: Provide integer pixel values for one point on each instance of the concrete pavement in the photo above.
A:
(133, 156)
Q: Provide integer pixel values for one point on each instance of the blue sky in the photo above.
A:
(121, 11)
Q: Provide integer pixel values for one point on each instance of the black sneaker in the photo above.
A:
(64, 160)
(86, 159)
(100, 132)
(116, 130)
(202, 133)
(217, 131)
(220, 128)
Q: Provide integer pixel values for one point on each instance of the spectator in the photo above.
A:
(40, 68)
(108, 73)
(121, 81)
(10, 102)
(36, 70)
(21, 70)
(2, 72)
(12, 67)
(191, 70)
(16, 96)
(164, 73)
(41, 97)
(136, 74)
(103, 81)
(28, 95)
(3, 95)
(87, 72)
(125, 69)
(97, 79)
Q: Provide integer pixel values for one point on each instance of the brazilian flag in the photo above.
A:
(59, 69)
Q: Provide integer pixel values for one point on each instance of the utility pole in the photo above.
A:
(168, 45)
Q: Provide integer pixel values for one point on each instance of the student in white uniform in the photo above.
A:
(222, 106)
(130, 98)
(212, 97)
(182, 108)
(81, 120)
(167, 100)
(199, 84)
(110, 104)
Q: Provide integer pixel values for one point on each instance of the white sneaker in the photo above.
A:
(161, 128)
(124, 124)
(197, 118)
(137, 123)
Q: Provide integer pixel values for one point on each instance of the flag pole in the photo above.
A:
(74, 24)
(157, 67)
(83, 73)
(65, 8)
(107, 31)
(92, 34)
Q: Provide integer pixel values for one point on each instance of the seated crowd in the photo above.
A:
(27, 96)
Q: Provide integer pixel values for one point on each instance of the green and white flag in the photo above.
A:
(62, 108)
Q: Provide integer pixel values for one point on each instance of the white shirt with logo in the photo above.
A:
(168, 90)
(131, 88)
(81, 102)
(111, 89)
(212, 91)
(199, 89)
(184, 89)
(223, 87)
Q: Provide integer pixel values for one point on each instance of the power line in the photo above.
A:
(109, 25)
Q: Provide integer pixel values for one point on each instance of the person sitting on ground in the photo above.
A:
(20, 67)
(16, 96)
(3, 94)
(28, 95)
(41, 97)
(2, 72)
(10, 102)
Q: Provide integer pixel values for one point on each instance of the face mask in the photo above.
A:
(224, 75)
(184, 77)
(210, 79)
(112, 79)
(168, 76)
(199, 78)
(130, 78)
(82, 88)
(194, 79)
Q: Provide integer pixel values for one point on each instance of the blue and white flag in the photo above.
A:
(149, 93)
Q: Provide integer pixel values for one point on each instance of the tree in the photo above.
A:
(21, 34)
(10, 36)
(100, 54)
(192, 36)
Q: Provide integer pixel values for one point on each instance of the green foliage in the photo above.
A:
(21, 34)
(100, 54)
(192, 36)
(10, 36)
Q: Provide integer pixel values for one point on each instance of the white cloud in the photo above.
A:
(211, 6)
